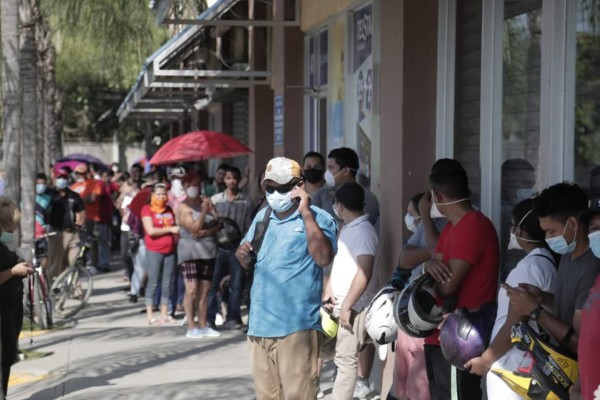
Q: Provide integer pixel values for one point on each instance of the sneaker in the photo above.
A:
(184, 321)
(194, 334)
(209, 332)
(361, 390)
(231, 324)
(218, 319)
(320, 394)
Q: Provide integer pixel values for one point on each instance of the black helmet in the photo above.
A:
(230, 236)
(465, 335)
(416, 311)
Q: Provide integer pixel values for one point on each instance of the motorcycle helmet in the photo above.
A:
(379, 318)
(329, 324)
(465, 335)
(544, 372)
(230, 236)
(416, 311)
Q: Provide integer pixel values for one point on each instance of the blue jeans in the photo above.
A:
(139, 260)
(159, 264)
(177, 290)
(103, 246)
(226, 264)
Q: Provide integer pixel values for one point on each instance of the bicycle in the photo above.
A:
(72, 289)
(38, 289)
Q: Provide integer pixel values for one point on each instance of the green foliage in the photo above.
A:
(101, 46)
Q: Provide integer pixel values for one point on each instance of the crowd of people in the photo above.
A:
(306, 246)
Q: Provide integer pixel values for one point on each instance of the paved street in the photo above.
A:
(109, 352)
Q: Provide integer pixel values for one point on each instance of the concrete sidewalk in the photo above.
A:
(109, 352)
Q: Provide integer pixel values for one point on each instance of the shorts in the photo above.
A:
(198, 270)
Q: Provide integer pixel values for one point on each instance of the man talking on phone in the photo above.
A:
(284, 322)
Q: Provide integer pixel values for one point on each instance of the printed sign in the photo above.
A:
(278, 121)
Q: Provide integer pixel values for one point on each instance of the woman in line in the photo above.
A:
(11, 288)
(196, 253)
(537, 268)
(159, 237)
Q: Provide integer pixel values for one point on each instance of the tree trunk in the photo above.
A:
(28, 14)
(46, 61)
(11, 120)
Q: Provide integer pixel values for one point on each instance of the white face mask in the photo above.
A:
(192, 192)
(435, 211)
(409, 220)
(177, 187)
(280, 202)
(330, 178)
(61, 183)
(513, 243)
(336, 212)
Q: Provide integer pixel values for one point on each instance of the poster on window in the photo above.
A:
(363, 83)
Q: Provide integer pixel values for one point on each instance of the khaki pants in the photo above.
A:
(285, 368)
(347, 345)
(62, 251)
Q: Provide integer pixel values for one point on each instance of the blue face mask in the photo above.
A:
(40, 188)
(558, 244)
(594, 238)
(7, 237)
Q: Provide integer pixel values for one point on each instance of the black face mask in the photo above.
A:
(313, 175)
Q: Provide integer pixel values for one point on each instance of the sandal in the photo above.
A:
(167, 320)
(155, 321)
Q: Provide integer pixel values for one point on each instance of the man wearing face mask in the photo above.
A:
(342, 166)
(230, 203)
(560, 315)
(464, 268)
(313, 168)
(284, 321)
(67, 214)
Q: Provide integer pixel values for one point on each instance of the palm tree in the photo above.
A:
(11, 119)
(28, 16)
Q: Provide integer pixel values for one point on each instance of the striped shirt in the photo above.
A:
(239, 209)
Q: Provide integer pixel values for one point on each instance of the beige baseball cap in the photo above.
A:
(282, 170)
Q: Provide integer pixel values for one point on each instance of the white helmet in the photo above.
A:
(379, 319)
(416, 311)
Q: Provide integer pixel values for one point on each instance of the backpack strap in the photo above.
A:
(259, 233)
(552, 261)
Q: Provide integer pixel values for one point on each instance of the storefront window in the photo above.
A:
(587, 97)
(468, 92)
(521, 85)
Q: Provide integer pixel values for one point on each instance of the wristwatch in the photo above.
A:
(535, 314)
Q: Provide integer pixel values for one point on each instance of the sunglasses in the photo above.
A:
(283, 189)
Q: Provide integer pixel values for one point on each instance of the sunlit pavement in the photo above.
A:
(108, 351)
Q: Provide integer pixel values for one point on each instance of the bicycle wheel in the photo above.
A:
(71, 291)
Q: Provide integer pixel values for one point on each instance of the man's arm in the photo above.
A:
(412, 256)
(458, 269)
(431, 233)
(524, 302)
(319, 245)
(357, 288)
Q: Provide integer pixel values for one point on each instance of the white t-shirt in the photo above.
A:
(357, 238)
(537, 270)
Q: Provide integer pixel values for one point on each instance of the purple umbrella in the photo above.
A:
(82, 158)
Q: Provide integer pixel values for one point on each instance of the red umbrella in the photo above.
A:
(199, 145)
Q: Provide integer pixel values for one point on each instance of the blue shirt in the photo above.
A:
(287, 286)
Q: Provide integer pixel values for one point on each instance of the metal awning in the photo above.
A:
(175, 89)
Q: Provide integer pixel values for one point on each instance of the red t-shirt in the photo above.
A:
(164, 244)
(589, 362)
(473, 240)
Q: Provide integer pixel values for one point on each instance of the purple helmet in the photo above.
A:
(465, 335)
